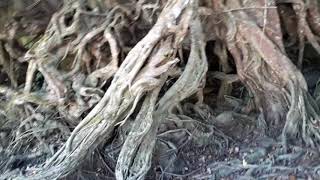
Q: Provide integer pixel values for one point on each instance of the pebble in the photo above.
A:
(256, 155)
(203, 159)
(244, 162)
(3, 135)
(236, 150)
(209, 170)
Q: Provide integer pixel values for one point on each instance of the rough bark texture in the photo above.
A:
(148, 68)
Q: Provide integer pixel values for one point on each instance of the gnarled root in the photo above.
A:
(303, 117)
(260, 57)
(135, 157)
(138, 74)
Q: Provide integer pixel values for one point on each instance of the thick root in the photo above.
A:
(262, 58)
(302, 121)
(132, 164)
(111, 70)
(135, 158)
(131, 81)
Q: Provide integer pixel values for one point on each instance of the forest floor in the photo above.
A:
(251, 156)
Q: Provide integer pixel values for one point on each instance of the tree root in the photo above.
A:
(130, 82)
(302, 119)
(110, 63)
(263, 57)
(194, 72)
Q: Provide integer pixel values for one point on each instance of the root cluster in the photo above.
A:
(129, 81)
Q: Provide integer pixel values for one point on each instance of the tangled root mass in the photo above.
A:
(139, 85)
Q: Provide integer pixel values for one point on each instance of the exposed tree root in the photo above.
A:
(194, 72)
(98, 68)
(131, 81)
(260, 55)
(302, 120)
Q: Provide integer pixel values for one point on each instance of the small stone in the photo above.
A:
(236, 150)
(225, 119)
(203, 159)
(3, 135)
(256, 155)
(244, 162)
(209, 170)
